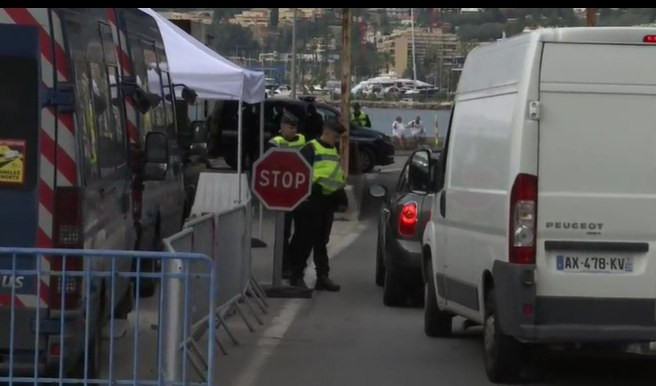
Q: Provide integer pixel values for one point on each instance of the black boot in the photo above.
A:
(325, 284)
(298, 282)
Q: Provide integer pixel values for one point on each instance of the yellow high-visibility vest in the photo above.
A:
(280, 141)
(360, 120)
(326, 169)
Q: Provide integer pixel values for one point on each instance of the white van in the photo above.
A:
(543, 227)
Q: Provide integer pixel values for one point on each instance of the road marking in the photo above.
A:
(274, 334)
(334, 251)
(267, 343)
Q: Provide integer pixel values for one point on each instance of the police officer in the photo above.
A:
(314, 217)
(359, 117)
(288, 138)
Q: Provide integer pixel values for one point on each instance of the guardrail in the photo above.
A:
(62, 301)
(226, 238)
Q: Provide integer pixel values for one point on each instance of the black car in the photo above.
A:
(401, 224)
(374, 148)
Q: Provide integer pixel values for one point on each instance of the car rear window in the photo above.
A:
(19, 121)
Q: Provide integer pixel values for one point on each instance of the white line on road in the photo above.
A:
(272, 336)
(269, 340)
(334, 251)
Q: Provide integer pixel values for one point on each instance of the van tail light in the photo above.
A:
(408, 219)
(523, 219)
(67, 234)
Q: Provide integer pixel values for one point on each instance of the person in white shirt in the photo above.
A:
(398, 130)
(416, 129)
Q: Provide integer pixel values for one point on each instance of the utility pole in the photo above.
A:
(591, 17)
(346, 87)
(294, 55)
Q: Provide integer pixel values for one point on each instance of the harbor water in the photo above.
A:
(381, 119)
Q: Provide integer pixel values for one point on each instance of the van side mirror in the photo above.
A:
(156, 156)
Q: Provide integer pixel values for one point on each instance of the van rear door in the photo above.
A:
(597, 173)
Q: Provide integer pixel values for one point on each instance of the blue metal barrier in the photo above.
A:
(55, 305)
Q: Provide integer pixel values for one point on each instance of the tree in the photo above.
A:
(233, 38)
(222, 14)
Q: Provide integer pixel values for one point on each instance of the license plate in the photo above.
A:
(594, 264)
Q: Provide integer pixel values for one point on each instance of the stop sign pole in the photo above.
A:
(282, 180)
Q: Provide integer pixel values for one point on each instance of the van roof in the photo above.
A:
(618, 35)
(611, 35)
(503, 63)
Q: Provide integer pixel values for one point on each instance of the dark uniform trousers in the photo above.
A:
(286, 257)
(313, 221)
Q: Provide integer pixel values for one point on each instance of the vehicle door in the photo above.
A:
(105, 174)
(103, 162)
(440, 215)
(596, 172)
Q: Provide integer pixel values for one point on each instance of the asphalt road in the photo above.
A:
(351, 338)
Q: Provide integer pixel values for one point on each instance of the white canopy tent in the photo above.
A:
(211, 76)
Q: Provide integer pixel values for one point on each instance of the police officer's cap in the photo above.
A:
(289, 119)
(334, 125)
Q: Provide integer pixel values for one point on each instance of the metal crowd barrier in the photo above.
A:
(61, 304)
(226, 238)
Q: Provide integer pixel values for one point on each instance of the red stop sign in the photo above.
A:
(282, 179)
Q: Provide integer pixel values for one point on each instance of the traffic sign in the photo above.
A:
(282, 179)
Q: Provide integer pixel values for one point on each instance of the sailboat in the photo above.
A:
(414, 92)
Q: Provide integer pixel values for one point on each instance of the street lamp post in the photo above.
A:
(294, 55)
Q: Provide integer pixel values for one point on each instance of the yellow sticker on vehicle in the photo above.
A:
(12, 161)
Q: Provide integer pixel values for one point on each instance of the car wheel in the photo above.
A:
(393, 291)
(437, 323)
(367, 159)
(380, 268)
(504, 355)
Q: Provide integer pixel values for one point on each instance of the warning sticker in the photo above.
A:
(12, 161)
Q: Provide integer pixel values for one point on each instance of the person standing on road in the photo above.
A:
(416, 130)
(398, 131)
(291, 139)
(314, 217)
(359, 117)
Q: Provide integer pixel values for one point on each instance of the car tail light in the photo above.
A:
(408, 219)
(67, 234)
(649, 39)
(523, 219)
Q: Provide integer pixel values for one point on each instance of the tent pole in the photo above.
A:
(261, 152)
(240, 131)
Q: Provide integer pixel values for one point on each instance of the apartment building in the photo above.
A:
(398, 46)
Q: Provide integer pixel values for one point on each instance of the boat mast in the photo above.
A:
(414, 61)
